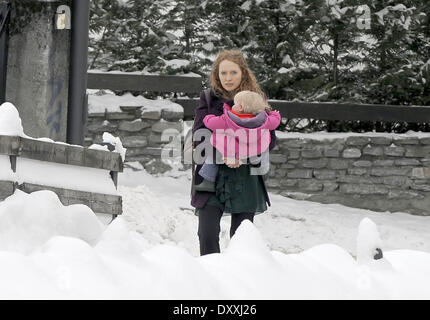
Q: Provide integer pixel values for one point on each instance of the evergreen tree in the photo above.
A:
(374, 51)
(105, 20)
(393, 60)
(188, 37)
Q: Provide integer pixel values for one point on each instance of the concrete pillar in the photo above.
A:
(38, 68)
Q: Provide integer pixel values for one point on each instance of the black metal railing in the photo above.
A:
(4, 39)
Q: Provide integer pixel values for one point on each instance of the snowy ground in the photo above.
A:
(295, 250)
(289, 226)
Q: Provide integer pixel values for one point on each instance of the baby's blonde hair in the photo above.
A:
(252, 102)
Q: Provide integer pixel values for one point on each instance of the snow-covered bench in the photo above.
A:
(77, 175)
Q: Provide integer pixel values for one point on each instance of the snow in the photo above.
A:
(283, 70)
(98, 147)
(64, 176)
(57, 175)
(10, 122)
(368, 241)
(52, 174)
(191, 74)
(115, 141)
(176, 63)
(287, 60)
(102, 101)
(208, 46)
(123, 62)
(51, 251)
(404, 22)
(295, 250)
(112, 102)
(399, 7)
(246, 5)
(28, 221)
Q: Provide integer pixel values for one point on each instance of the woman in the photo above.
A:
(238, 193)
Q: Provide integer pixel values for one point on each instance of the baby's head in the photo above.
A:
(249, 102)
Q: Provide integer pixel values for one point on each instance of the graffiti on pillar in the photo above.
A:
(53, 121)
(55, 106)
(63, 18)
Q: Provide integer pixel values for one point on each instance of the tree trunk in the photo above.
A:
(335, 57)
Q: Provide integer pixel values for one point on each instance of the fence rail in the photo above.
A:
(14, 146)
(335, 111)
(138, 82)
(288, 109)
(347, 111)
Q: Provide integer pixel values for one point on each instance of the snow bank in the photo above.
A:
(51, 251)
(10, 122)
(27, 221)
(368, 241)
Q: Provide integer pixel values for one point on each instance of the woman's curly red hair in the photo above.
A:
(249, 82)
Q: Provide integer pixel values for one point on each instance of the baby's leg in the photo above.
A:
(209, 171)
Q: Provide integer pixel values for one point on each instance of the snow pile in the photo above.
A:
(27, 221)
(6, 173)
(176, 63)
(368, 241)
(10, 122)
(51, 251)
(115, 141)
(100, 101)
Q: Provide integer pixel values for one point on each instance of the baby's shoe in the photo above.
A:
(206, 185)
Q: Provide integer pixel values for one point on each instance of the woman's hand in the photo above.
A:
(232, 163)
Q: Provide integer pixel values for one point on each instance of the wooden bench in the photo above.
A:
(14, 147)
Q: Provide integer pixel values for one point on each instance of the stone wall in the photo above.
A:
(373, 171)
(140, 132)
(381, 173)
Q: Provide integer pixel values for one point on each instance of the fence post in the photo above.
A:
(4, 39)
(78, 72)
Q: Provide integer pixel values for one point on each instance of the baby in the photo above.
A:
(247, 114)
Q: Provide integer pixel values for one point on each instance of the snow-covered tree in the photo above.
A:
(371, 51)
(395, 54)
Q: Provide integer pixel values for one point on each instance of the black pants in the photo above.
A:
(209, 227)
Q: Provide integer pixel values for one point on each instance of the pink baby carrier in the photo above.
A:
(236, 138)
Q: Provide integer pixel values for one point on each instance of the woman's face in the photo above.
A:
(230, 75)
